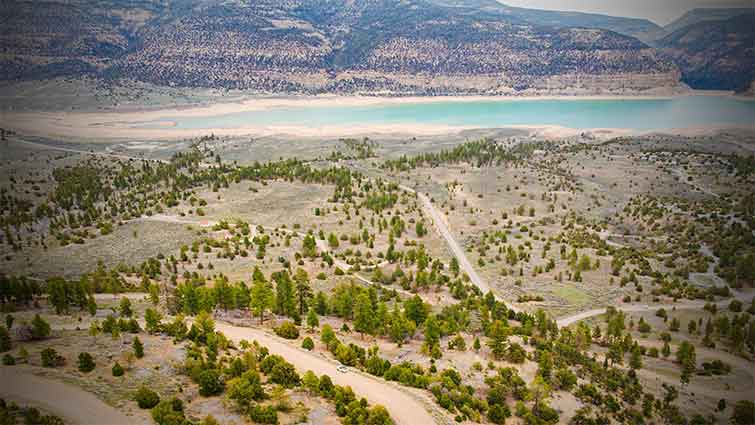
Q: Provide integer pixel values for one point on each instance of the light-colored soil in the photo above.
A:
(404, 408)
(67, 401)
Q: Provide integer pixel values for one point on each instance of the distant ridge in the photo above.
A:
(695, 16)
(714, 54)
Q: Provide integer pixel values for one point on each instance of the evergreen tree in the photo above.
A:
(138, 348)
(312, 319)
(365, 315)
(261, 299)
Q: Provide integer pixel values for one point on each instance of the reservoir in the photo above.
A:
(640, 114)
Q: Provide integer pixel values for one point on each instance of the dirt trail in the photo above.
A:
(442, 227)
(687, 305)
(72, 404)
(404, 407)
(85, 152)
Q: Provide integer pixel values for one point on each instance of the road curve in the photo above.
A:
(633, 308)
(71, 403)
(403, 407)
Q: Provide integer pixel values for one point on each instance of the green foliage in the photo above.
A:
(153, 319)
(263, 414)
(312, 320)
(125, 307)
(210, 383)
(246, 389)
(138, 348)
(51, 358)
(285, 374)
(40, 329)
(169, 412)
(308, 344)
(743, 413)
(287, 330)
(146, 398)
(5, 341)
(117, 370)
(86, 362)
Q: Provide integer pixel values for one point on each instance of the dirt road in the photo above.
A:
(84, 152)
(686, 305)
(405, 408)
(458, 252)
(71, 403)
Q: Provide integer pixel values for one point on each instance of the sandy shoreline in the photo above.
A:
(156, 124)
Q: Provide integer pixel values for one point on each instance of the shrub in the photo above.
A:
(5, 342)
(263, 414)
(210, 383)
(285, 374)
(138, 348)
(735, 306)
(117, 369)
(516, 353)
(146, 398)
(308, 344)
(51, 358)
(269, 362)
(565, 379)
(40, 329)
(169, 412)
(246, 388)
(287, 330)
(9, 360)
(498, 413)
(744, 412)
(86, 362)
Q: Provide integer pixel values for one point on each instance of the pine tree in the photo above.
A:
(635, 361)
(312, 319)
(432, 334)
(365, 315)
(261, 299)
(138, 348)
(499, 334)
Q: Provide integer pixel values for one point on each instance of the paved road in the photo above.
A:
(71, 403)
(405, 409)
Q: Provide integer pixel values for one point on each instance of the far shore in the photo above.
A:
(243, 103)
(156, 124)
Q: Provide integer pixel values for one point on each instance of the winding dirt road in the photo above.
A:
(687, 305)
(405, 408)
(72, 404)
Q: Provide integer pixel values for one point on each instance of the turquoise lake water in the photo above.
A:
(637, 114)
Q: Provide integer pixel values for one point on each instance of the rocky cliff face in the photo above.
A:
(315, 46)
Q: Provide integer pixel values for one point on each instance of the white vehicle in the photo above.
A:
(342, 369)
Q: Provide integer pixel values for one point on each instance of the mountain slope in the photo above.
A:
(714, 54)
(633, 27)
(316, 46)
(695, 16)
